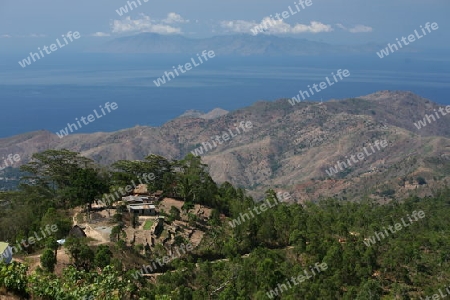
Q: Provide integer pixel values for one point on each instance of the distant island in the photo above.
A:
(240, 44)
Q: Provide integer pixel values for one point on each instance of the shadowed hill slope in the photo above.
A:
(289, 147)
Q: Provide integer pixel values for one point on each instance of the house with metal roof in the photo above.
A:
(5, 252)
(142, 209)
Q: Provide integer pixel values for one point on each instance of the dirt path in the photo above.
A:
(94, 234)
(99, 237)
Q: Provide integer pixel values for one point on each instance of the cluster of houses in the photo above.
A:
(142, 203)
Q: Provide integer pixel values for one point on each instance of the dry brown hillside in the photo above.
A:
(289, 147)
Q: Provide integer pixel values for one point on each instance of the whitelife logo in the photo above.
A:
(164, 261)
(162, 80)
(199, 151)
(322, 86)
(27, 61)
(360, 155)
(124, 10)
(297, 280)
(49, 229)
(263, 207)
(423, 123)
(110, 198)
(411, 38)
(438, 296)
(9, 161)
(90, 118)
(379, 235)
(270, 22)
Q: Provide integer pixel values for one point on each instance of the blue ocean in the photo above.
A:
(55, 90)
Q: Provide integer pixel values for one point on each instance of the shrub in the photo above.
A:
(48, 260)
(421, 180)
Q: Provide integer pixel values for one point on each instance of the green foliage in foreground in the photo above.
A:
(284, 241)
(48, 260)
(281, 243)
(75, 285)
(244, 261)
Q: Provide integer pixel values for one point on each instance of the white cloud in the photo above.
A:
(34, 35)
(273, 26)
(174, 18)
(341, 26)
(360, 28)
(314, 27)
(240, 26)
(100, 34)
(144, 24)
(356, 29)
(5, 36)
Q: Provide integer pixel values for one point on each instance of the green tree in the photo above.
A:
(86, 185)
(174, 214)
(82, 255)
(118, 233)
(370, 290)
(13, 277)
(103, 256)
(125, 171)
(51, 171)
(194, 184)
(54, 217)
(161, 168)
(48, 260)
(134, 220)
(53, 245)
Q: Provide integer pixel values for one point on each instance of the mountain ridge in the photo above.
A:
(288, 147)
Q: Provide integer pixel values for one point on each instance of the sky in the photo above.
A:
(29, 22)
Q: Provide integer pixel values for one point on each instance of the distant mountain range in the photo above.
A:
(288, 147)
(242, 44)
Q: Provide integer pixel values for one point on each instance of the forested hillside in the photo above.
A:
(266, 250)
